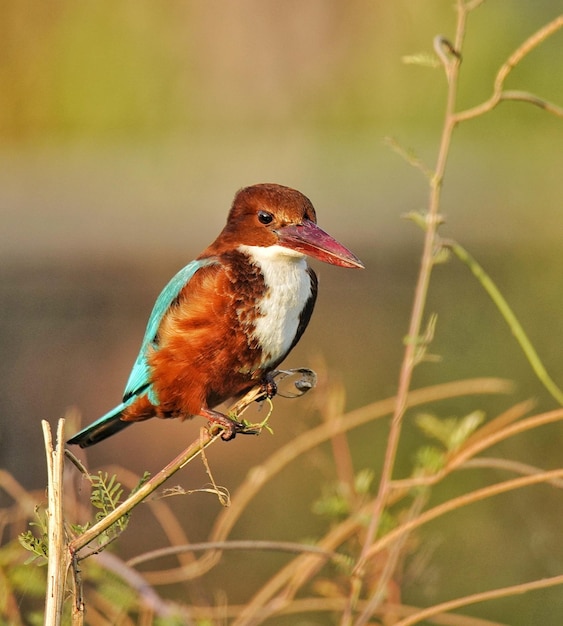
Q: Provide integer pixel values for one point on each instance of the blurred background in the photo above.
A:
(125, 130)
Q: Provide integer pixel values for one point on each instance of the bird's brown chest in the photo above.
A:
(207, 347)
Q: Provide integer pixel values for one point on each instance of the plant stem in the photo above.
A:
(516, 57)
(58, 555)
(483, 596)
(509, 317)
(451, 63)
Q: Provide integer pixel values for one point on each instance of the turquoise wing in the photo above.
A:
(139, 379)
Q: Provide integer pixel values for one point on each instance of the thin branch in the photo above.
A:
(504, 309)
(390, 566)
(336, 605)
(525, 48)
(461, 501)
(483, 596)
(242, 544)
(276, 462)
(410, 157)
(450, 55)
(530, 98)
(333, 408)
(148, 596)
(516, 57)
(508, 465)
(473, 446)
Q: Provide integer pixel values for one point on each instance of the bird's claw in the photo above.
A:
(269, 387)
(221, 423)
(228, 427)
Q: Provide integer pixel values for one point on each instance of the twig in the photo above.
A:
(149, 597)
(493, 594)
(336, 605)
(498, 94)
(391, 561)
(242, 544)
(474, 446)
(509, 465)
(461, 501)
(333, 407)
(504, 309)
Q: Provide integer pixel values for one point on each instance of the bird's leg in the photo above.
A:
(268, 389)
(230, 427)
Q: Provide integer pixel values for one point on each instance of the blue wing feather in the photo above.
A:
(139, 379)
(104, 427)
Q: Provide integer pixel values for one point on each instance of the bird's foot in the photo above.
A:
(269, 387)
(229, 427)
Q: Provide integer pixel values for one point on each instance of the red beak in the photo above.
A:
(309, 239)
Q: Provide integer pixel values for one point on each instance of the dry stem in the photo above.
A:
(58, 554)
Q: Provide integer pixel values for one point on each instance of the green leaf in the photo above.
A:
(363, 481)
(106, 496)
(422, 59)
(144, 479)
(429, 460)
(331, 504)
(37, 545)
(466, 426)
(452, 432)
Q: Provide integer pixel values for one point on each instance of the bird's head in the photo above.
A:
(273, 215)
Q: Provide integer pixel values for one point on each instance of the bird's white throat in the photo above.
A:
(288, 287)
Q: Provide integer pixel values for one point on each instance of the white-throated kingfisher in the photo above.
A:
(229, 318)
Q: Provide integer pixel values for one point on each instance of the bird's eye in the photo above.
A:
(264, 217)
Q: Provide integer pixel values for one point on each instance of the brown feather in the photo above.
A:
(204, 355)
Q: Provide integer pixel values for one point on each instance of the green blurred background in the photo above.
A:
(126, 128)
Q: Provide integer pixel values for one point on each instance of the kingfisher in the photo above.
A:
(226, 320)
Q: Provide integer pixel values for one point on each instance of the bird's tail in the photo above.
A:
(107, 425)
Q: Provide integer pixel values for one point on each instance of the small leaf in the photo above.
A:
(38, 546)
(452, 432)
(441, 255)
(430, 460)
(466, 426)
(363, 481)
(333, 503)
(416, 217)
(144, 479)
(106, 496)
(422, 59)
(436, 428)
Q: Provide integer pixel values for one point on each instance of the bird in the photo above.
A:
(227, 319)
